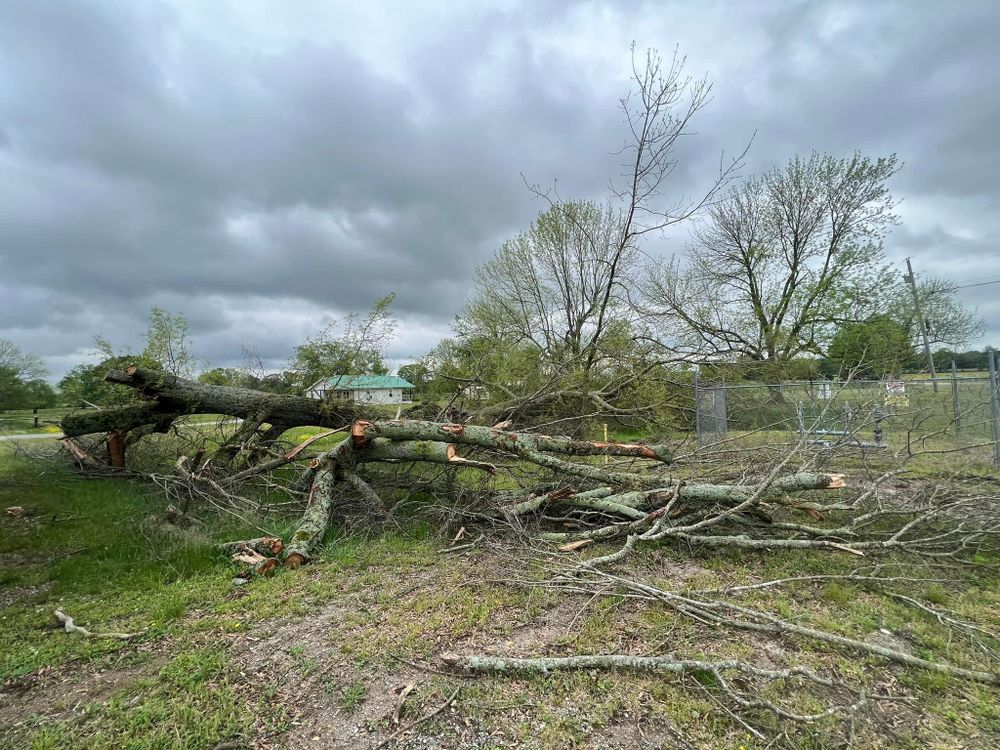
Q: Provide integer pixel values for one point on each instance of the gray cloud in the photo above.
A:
(261, 168)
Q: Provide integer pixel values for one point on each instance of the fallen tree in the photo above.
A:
(168, 397)
(567, 494)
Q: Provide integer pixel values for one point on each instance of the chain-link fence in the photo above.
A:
(951, 411)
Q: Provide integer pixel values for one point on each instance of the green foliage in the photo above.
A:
(11, 389)
(167, 343)
(783, 260)
(166, 348)
(21, 383)
(16, 393)
(554, 287)
(869, 350)
(418, 373)
(26, 366)
(349, 346)
(40, 395)
(85, 383)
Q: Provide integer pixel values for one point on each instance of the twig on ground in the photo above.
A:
(70, 627)
(421, 720)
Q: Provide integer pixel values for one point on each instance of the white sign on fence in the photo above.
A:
(895, 393)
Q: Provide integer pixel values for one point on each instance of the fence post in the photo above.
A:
(697, 411)
(721, 409)
(994, 404)
(954, 398)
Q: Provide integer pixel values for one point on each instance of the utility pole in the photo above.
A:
(911, 280)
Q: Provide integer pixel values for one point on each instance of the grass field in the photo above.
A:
(316, 657)
(23, 421)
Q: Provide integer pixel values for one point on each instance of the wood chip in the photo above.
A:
(405, 691)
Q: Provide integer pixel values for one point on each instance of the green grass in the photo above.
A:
(335, 630)
(22, 421)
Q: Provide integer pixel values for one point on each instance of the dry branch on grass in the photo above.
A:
(71, 627)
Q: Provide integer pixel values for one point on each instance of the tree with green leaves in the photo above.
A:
(22, 365)
(166, 347)
(84, 385)
(870, 350)
(417, 373)
(785, 260)
(21, 379)
(556, 287)
(352, 345)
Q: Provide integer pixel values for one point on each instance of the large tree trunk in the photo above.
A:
(171, 397)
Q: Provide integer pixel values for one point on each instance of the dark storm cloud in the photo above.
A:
(261, 167)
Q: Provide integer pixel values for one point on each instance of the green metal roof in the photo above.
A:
(356, 382)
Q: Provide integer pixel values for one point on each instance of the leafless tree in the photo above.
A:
(948, 321)
(782, 261)
(23, 365)
(564, 287)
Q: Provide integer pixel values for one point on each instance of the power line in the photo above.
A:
(978, 283)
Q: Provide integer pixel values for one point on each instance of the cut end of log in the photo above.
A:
(573, 546)
(266, 567)
(837, 481)
(295, 560)
(131, 370)
(450, 659)
(275, 544)
(359, 433)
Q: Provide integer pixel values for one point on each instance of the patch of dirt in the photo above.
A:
(332, 702)
(56, 694)
(11, 594)
(628, 733)
(888, 639)
(531, 638)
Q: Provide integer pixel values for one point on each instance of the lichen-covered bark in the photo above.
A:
(312, 526)
(514, 442)
(383, 449)
(172, 396)
(105, 420)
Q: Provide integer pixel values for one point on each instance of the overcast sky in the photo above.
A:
(262, 166)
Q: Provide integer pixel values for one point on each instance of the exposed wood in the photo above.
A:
(265, 545)
(259, 564)
(116, 449)
(71, 627)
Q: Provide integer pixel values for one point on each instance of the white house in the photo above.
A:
(370, 389)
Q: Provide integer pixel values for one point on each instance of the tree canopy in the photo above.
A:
(352, 345)
(782, 261)
(870, 350)
(22, 384)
